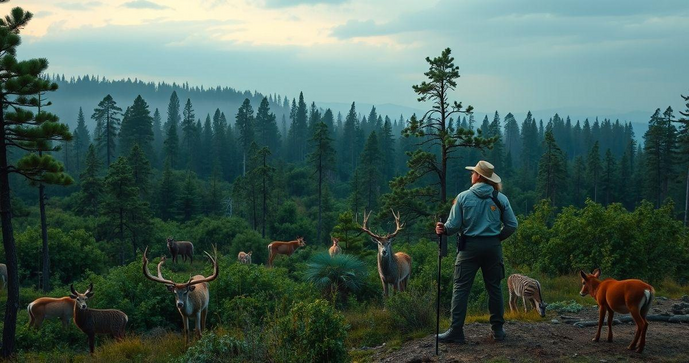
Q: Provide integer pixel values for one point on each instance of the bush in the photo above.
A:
(311, 332)
(250, 240)
(338, 275)
(216, 348)
(412, 310)
(560, 307)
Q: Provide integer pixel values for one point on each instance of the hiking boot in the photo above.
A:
(498, 334)
(452, 336)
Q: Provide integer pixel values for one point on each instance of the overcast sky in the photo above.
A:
(625, 55)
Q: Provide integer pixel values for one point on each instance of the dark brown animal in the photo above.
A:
(283, 248)
(97, 321)
(192, 297)
(49, 308)
(183, 248)
(626, 296)
(3, 275)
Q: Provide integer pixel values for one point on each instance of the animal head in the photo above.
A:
(302, 241)
(587, 281)
(170, 240)
(335, 241)
(384, 242)
(249, 254)
(81, 299)
(541, 308)
(181, 291)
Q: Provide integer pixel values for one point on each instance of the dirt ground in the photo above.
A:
(552, 342)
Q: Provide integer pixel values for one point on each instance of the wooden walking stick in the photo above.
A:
(442, 251)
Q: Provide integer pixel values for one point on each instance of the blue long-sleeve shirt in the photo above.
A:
(474, 214)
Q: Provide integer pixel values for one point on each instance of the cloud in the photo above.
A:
(291, 3)
(144, 4)
(357, 28)
(79, 6)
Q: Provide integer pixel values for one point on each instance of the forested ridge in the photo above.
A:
(237, 170)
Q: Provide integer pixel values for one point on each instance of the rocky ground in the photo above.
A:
(559, 338)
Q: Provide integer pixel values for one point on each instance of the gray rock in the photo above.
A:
(555, 321)
(685, 298)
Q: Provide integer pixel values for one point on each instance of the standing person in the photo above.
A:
(483, 217)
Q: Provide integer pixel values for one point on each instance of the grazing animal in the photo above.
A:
(283, 248)
(3, 275)
(49, 308)
(96, 321)
(394, 268)
(529, 290)
(335, 248)
(192, 297)
(244, 258)
(183, 248)
(625, 296)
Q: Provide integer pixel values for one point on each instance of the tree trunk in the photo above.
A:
(320, 185)
(45, 275)
(122, 236)
(12, 304)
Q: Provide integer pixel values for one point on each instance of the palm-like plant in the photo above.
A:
(339, 274)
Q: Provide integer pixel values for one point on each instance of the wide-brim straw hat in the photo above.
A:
(486, 170)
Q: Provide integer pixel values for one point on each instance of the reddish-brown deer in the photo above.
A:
(192, 297)
(50, 308)
(183, 248)
(625, 296)
(244, 257)
(283, 248)
(335, 248)
(393, 268)
(96, 321)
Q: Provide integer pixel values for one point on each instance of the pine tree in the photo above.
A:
(369, 171)
(188, 135)
(141, 170)
(512, 138)
(91, 185)
(552, 170)
(213, 197)
(608, 178)
(168, 193)
(189, 197)
(171, 144)
(683, 148)
(157, 138)
(263, 174)
(80, 142)
(387, 147)
(659, 148)
(21, 85)
(578, 181)
(322, 159)
(245, 129)
(137, 128)
(266, 128)
(347, 153)
(496, 155)
(107, 117)
(594, 169)
(126, 215)
(206, 148)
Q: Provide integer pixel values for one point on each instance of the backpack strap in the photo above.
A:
(494, 197)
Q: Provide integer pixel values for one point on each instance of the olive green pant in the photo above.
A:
(484, 253)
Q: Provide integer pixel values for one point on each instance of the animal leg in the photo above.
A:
(642, 343)
(191, 258)
(526, 307)
(610, 317)
(185, 321)
(640, 326)
(385, 288)
(198, 324)
(38, 322)
(203, 319)
(92, 342)
(601, 316)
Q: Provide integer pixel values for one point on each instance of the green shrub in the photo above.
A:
(250, 240)
(311, 332)
(571, 307)
(412, 310)
(216, 348)
(340, 274)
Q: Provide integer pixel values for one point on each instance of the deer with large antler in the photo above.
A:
(192, 296)
(393, 268)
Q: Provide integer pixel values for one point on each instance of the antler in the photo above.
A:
(162, 261)
(148, 273)
(398, 226)
(365, 229)
(215, 269)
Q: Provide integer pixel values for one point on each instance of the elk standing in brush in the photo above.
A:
(625, 297)
(393, 268)
(335, 248)
(96, 321)
(183, 248)
(49, 308)
(244, 258)
(283, 248)
(192, 297)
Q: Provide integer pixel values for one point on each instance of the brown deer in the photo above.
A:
(244, 258)
(192, 297)
(335, 248)
(623, 296)
(283, 248)
(183, 248)
(3, 275)
(96, 321)
(394, 268)
(49, 308)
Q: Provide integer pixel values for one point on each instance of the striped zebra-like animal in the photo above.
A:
(529, 290)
